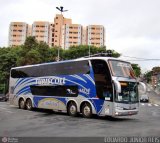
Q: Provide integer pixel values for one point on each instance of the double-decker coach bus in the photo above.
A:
(93, 85)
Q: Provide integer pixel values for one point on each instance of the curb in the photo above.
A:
(154, 101)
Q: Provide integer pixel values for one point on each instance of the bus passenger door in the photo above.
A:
(104, 87)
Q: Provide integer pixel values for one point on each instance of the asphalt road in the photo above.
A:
(15, 122)
(22, 123)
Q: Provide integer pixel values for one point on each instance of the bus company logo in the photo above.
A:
(4, 140)
(85, 91)
(49, 81)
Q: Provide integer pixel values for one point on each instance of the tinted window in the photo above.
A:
(122, 69)
(68, 68)
(102, 79)
(63, 91)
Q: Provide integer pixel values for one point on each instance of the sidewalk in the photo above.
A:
(157, 91)
(155, 99)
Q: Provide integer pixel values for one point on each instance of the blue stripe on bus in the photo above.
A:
(17, 82)
(27, 88)
(27, 79)
(78, 77)
(22, 81)
(32, 81)
(99, 104)
(84, 82)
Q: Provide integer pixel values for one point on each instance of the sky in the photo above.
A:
(132, 26)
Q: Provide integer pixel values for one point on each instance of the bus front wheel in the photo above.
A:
(21, 104)
(87, 110)
(29, 104)
(72, 109)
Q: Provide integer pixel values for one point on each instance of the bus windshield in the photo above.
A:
(129, 92)
(121, 69)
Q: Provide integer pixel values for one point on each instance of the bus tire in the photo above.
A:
(87, 110)
(21, 104)
(72, 109)
(29, 104)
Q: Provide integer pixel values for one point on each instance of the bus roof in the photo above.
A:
(65, 61)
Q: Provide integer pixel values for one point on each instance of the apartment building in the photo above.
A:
(17, 33)
(95, 35)
(40, 29)
(59, 21)
(71, 35)
(84, 36)
(51, 35)
(61, 33)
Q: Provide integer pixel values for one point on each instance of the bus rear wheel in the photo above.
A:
(72, 109)
(21, 104)
(29, 104)
(87, 110)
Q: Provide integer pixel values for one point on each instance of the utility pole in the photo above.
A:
(61, 10)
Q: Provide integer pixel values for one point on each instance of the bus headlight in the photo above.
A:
(116, 113)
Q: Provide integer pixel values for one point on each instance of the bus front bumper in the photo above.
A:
(125, 112)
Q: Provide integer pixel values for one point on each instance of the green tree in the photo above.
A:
(29, 53)
(83, 50)
(8, 59)
(43, 50)
(137, 69)
(30, 43)
(148, 76)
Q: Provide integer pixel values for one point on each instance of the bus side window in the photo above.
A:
(102, 79)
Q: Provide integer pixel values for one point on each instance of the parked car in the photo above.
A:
(144, 98)
(3, 97)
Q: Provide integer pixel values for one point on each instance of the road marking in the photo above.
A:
(6, 110)
(150, 104)
(3, 108)
(12, 105)
(9, 111)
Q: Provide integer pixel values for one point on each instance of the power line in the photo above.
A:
(139, 59)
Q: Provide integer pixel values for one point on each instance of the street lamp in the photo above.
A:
(61, 10)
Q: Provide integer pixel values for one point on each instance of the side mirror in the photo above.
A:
(142, 88)
(117, 86)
